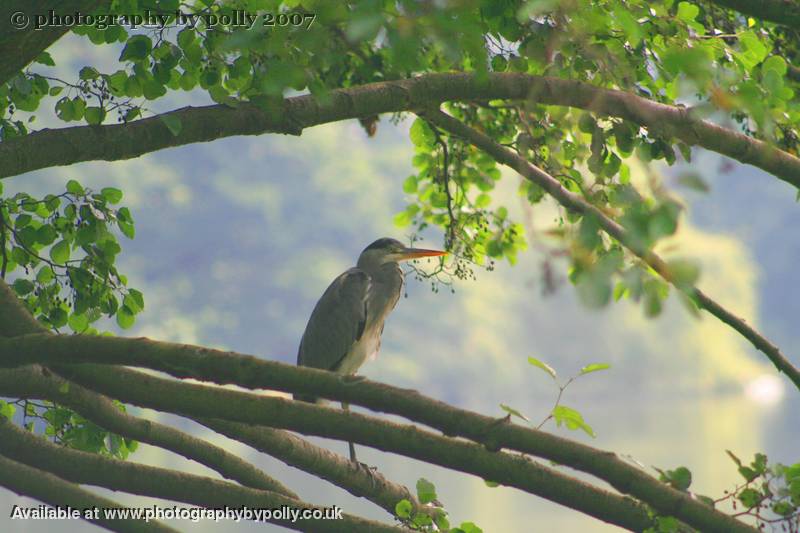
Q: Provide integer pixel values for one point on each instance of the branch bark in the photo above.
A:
(199, 401)
(65, 146)
(251, 372)
(294, 451)
(39, 382)
(94, 469)
(188, 399)
(783, 12)
(186, 361)
(576, 203)
(48, 488)
(20, 41)
(100, 410)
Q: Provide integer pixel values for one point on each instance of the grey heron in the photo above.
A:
(346, 325)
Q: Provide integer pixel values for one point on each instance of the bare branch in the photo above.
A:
(199, 401)
(94, 469)
(248, 371)
(41, 384)
(294, 451)
(48, 488)
(65, 146)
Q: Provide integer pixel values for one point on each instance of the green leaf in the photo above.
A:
(7, 409)
(131, 304)
(111, 195)
(125, 318)
(94, 115)
(173, 123)
(421, 134)
(46, 234)
(137, 48)
(45, 275)
(754, 50)
(775, 63)
(594, 367)
(571, 418)
(60, 252)
(749, 497)
(402, 219)
(687, 12)
(514, 412)
(78, 322)
(426, 492)
(544, 366)
(587, 123)
(22, 286)
(45, 58)
(58, 317)
(403, 509)
(410, 185)
(469, 527)
(683, 272)
(22, 220)
(88, 73)
(679, 479)
(74, 187)
(137, 297)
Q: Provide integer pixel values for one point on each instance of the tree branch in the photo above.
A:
(576, 203)
(48, 488)
(292, 450)
(65, 146)
(783, 12)
(20, 45)
(43, 384)
(126, 476)
(199, 401)
(324, 464)
(186, 361)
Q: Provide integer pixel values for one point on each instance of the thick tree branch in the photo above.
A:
(199, 401)
(292, 450)
(410, 441)
(94, 469)
(20, 45)
(225, 367)
(66, 146)
(576, 203)
(48, 488)
(100, 410)
(339, 470)
(783, 12)
(15, 320)
(252, 372)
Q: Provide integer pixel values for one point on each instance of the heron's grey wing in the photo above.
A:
(337, 321)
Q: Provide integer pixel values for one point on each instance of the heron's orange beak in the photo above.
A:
(413, 253)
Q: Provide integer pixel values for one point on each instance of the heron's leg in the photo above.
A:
(351, 446)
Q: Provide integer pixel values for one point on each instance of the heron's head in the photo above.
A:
(388, 250)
